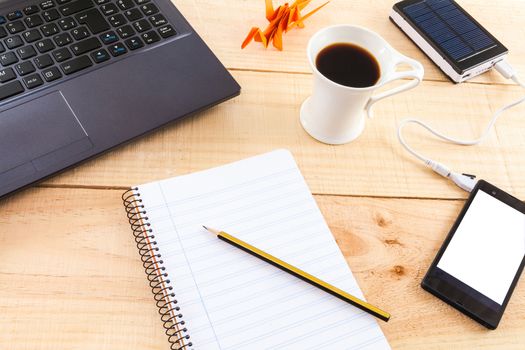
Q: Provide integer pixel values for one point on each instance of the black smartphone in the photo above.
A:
(460, 46)
(482, 257)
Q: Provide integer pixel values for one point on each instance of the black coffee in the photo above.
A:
(349, 65)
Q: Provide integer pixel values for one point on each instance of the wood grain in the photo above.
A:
(266, 117)
(70, 275)
(71, 278)
(223, 25)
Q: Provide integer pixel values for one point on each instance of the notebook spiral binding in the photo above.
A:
(158, 279)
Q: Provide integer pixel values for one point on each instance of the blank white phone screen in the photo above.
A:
(487, 248)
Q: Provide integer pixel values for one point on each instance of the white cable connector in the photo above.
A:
(505, 69)
(464, 181)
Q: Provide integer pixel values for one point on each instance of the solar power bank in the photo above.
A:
(449, 36)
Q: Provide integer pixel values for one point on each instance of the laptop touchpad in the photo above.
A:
(41, 132)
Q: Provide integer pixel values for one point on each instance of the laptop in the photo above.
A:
(78, 77)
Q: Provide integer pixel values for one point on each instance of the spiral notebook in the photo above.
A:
(214, 296)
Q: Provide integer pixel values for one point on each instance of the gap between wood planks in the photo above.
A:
(124, 188)
(504, 83)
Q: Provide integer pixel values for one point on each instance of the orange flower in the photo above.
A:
(282, 19)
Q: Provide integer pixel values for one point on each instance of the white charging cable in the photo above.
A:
(465, 181)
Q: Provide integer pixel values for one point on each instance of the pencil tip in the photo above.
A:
(212, 230)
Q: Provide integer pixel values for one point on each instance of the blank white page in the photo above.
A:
(233, 300)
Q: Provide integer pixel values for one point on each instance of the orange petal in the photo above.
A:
(249, 37)
(274, 23)
(290, 18)
(278, 39)
(300, 20)
(275, 14)
(278, 36)
(259, 36)
(302, 4)
(270, 36)
(296, 3)
(269, 9)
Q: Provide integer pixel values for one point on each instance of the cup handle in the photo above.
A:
(416, 74)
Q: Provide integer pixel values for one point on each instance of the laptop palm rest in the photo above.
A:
(37, 134)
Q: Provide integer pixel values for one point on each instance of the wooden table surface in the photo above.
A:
(70, 275)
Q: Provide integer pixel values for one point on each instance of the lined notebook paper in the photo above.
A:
(232, 300)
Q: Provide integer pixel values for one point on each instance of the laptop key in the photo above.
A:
(67, 23)
(63, 39)
(142, 25)
(2, 48)
(75, 65)
(10, 89)
(150, 37)
(29, 10)
(45, 45)
(7, 74)
(50, 15)
(62, 54)
(43, 61)
(26, 52)
(140, 2)
(3, 32)
(49, 29)
(109, 37)
(25, 68)
(15, 27)
(117, 20)
(32, 35)
(94, 21)
(33, 21)
(14, 42)
(158, 20)
(85, 45)
(125, 31)
(125, 4)
(166, 31)
(133, 14)
(14, 15)
(75, 6)
(117, 49)
(2, 20)
(100, 56)
(149, 9)
(32, 81)
(47, 4)
(60, 2)
(8, 58)
(134, 43)
(80, 33)
(109, 9)
(51, 74)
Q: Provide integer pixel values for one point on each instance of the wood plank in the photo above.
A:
(389, 245)
(265, 117)
(224, 24)
(70, 276)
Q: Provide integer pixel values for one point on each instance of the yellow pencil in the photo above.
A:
(305, 276)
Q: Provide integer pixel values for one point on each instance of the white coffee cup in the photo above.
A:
(335, 113)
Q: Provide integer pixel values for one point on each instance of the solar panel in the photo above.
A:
(448, 26)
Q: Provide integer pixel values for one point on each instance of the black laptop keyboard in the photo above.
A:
(56, 38)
